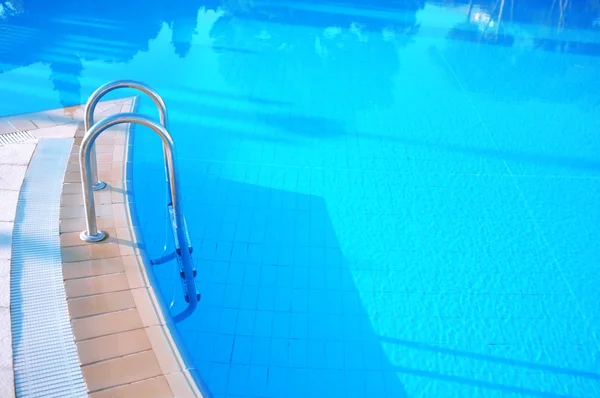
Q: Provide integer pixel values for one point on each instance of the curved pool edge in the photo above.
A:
(124, 345)
(191, 374)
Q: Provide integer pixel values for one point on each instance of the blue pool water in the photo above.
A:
(386, 198)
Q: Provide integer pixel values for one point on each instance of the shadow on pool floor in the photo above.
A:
(285, 314)
(280, 314)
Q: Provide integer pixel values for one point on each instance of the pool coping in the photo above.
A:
(123, 343)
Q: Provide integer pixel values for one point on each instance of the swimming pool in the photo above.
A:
(385, 198)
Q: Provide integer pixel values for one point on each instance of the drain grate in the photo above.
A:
(16, 137)
(46, 363)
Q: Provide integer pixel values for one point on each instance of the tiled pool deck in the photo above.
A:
(124, 346)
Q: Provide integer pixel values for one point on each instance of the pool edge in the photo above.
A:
(123, 343)
(192, 377)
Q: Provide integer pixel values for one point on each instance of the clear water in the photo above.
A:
(386, 199)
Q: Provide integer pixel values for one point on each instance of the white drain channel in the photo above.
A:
(46, 363)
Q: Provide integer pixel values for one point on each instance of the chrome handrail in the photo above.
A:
(97, 95)
(92, 233)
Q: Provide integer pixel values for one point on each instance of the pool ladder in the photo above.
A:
(90, 182)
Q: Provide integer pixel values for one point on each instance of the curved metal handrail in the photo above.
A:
(92, 233)
(97, 95)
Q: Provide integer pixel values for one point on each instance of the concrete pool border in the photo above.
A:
(124, 344)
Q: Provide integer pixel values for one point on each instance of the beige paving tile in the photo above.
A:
(117, 186)
(72, 212)
(118, 153)
(105, 139)
(11, 176)
(145, 307)
(89, 268)
(180, 386)
(100, 304)
(105, 223)
(115, 175)
(5, 290)
(17, 154)
(105, 106)
(70, 239)
(156, 387)
(162, 349)
(6, 358)
(104, 250)
(72, 188)
(127, 250)
(6, 127)
(104, 157)
(68, 115)
(8, 205)
(103, 197)
(73, 157)
(154, 300)
(71, 200)
(76, 253)
(106, 166)
(120, 216)
(96, 285)
(40, 120)
(124, 370)
(105, 324)
(75, 113)
(134, 275)
(117, 167)
(104, 148)
(55, 130)
(117, 197)
(7, 389)
(127, 246)
(73, 177)
(71, 225)
(4, 267)
(124, 234)
(21, 123)
(104, 210)
(80, 132)
(113, 346)
(105, 175)
(72, 167)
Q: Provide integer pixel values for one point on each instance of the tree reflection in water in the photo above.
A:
(338, 53)
(532, 31)
(88, 30)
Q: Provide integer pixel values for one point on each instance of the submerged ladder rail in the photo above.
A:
(93, 101)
